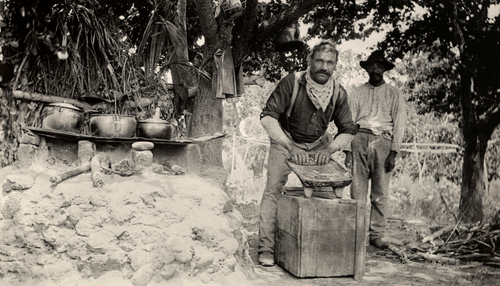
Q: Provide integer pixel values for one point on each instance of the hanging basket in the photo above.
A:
(233, 8)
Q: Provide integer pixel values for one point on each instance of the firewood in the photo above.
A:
(69, 174)
(95, 168)
(438, 258)
(438, 233)
(492, 264)
(417, 246)
(402, 255)
(474, 257)
(492, 259)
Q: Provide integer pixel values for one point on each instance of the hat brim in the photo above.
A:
(387, 65)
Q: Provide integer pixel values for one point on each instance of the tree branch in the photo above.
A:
(459, 36)
(272, 25)
(217, 31)
(482, 16)
(208, 22)
(182, 16)
(290, 15)
(492, 115)
(247, 32)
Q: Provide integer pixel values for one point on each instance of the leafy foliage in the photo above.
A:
(435, 52)
(334, 20)
(492, 157)
(68, 49)
(461, 36)
(432, 128)
(82, 48)
(432, 82)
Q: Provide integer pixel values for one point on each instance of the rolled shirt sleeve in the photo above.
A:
(279, 99)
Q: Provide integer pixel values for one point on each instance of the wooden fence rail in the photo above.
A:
(415, 148)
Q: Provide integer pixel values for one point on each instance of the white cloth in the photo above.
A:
(320, 94)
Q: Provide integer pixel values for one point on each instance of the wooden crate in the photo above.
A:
(318, 237)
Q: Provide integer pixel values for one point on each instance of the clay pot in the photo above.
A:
(288, 39)
(112, 125)
(154, 128)
(62, 116)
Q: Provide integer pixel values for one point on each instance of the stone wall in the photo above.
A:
(144, 229)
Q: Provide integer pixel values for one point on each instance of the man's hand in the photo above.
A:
(348, 159)
(322, 156)
(298, 155)
(390, 162)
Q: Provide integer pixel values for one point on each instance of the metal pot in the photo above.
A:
(112, 125)
(154, 128)
(62, 116)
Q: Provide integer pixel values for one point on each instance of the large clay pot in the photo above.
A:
(288, 39)
(112, 125)
(62, 116)
(154, 128)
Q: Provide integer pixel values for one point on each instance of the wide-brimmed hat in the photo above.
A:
(377, 57)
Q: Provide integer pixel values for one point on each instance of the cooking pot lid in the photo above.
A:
(66, 105)
(153, 120)
(94, 99)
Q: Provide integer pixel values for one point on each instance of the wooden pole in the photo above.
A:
(69, 174)
(232, 159)
(418, 165)
(33, 96)
(95, 168)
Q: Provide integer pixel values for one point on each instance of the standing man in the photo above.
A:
(300, 131)
(379, 111)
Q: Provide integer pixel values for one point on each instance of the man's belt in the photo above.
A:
(366, 130)
(369, 131)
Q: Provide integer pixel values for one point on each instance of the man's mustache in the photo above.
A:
(323, 72)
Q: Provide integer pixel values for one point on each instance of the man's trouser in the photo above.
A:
(277, 176)
(369, 153)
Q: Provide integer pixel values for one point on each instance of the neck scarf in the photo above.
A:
(320, 94)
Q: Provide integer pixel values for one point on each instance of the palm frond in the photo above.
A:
(160, 37)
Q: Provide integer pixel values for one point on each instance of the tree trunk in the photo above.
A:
(207, 119)
(471, 204)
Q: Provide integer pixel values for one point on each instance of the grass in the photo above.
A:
(435, 200)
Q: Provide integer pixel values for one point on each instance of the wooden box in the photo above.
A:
(318, 237)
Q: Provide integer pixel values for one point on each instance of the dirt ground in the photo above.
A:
(381, 266)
